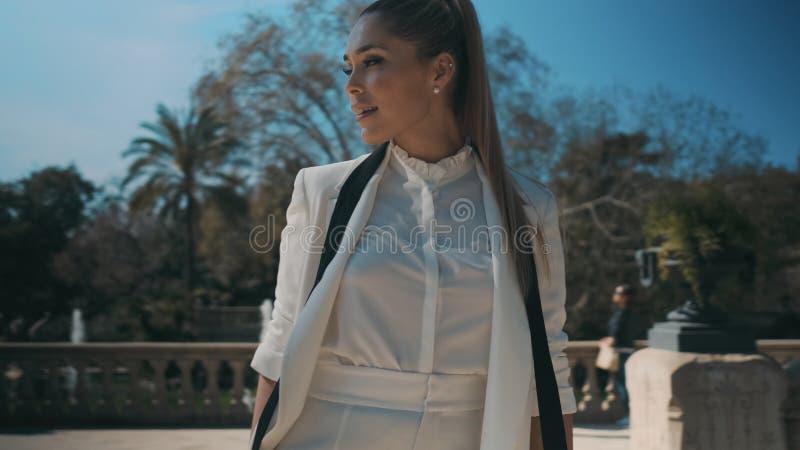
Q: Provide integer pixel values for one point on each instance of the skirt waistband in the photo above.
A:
(393, 389)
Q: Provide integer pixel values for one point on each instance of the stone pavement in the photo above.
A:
(586, 438)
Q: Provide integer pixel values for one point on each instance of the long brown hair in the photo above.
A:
(436, 26)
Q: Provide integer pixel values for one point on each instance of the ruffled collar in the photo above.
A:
(438, 172)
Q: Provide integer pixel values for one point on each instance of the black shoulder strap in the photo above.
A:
(550, 416)
(345, 204)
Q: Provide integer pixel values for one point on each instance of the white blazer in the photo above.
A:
(510, 391)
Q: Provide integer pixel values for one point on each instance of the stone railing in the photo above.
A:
(202, 384)
(127, 383)
(594, 388)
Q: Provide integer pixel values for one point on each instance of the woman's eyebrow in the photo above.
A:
(364, 48)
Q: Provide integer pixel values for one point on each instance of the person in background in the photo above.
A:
(623, 328)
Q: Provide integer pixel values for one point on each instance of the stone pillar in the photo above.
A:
(705, 401)
(792, 405)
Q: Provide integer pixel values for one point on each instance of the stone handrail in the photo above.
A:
(202, 384)
(126, 383)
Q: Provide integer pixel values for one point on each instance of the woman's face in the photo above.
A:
(389, 77)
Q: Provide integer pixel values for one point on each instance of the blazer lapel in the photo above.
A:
(506, 422)
(305, 341)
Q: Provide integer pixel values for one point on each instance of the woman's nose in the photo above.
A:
(354, 84)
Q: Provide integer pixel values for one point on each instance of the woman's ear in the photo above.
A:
(444, 67)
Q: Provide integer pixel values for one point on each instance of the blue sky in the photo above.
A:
(79, 76)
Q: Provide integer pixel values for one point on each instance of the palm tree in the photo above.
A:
(183, 164)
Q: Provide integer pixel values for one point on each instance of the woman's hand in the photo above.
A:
(263, 391)
(536, 432)
(608, 340)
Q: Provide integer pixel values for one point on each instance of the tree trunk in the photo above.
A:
(189, 267)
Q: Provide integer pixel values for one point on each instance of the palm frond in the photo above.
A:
(146, 165)
(168, 121)
(172, 205)
(149, 145)
(158, 130)
(145, 198)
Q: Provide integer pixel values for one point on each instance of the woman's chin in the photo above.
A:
(371, 138)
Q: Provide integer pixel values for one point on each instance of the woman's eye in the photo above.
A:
(366, 63)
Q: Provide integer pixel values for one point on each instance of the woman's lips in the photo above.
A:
(366, 114)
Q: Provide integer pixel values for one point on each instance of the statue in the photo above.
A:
(703, 236)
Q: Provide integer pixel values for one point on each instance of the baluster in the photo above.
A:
(160, 400)
(589, 404)
(52, 391)
(186, 397)
(573, 362)
(612, 404)
(106, 397)
(610, 392)
(212, 388)
(127, 393)
(9, 386)
(149, 385)
(81, 393)
(5, 385)
(28, 401)
(238, 383)
(136, 389)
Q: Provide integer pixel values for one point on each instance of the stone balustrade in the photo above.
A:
(203, 384)
(127, 383)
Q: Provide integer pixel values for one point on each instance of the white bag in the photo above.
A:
(607, 358)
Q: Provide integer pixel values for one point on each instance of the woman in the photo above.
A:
(413, 338)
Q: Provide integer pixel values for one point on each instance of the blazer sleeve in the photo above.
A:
(268, 356)
(553, 294)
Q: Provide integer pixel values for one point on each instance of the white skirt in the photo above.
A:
(367, 408)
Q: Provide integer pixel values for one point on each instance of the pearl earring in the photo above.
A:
(436, 88)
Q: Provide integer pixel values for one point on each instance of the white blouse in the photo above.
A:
(416, 293)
